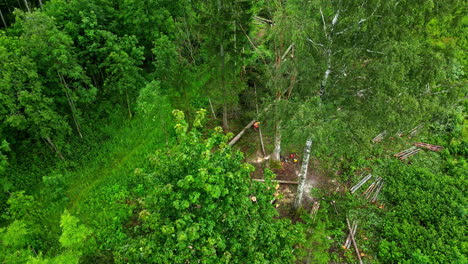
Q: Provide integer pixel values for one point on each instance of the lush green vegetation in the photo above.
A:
(97, 166)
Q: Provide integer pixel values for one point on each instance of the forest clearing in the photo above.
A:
(222, 131)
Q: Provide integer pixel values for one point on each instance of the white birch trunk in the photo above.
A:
(277, 150)
(329, 52)
(303, 173)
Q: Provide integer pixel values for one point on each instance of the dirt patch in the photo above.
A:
(316, 179)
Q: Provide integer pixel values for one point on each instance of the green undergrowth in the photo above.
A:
(420, 216)
(93, 185)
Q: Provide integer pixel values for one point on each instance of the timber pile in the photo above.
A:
(360, 183)
(354, 241)
(407, 153)
(347, 243)
(428, 146)
(415, 130)
(379, 137)
(373, 190)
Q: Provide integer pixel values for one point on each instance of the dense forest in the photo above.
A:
(233, 131)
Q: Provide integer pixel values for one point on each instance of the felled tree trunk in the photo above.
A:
(303, 173)
(236, 138)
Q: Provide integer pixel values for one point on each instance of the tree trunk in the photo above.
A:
(71, 104)
(54, 147)
(236, 138)
(3, 19)
(128, 104)
(354, 241)
(277, 150)
(259, 129)
(303, 173)
(27, 6)
(212, 109)
(225, 120)
(223, 84)
(40, 3)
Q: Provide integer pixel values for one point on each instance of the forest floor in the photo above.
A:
(288, 170)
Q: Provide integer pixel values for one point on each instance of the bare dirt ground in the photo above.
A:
(288, 171)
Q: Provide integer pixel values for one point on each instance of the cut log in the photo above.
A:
(347, 243)
(236, 138)
(374, 198)
(264, 20)
(428, 146)
(277, 181)
(360, 183)
(354, 241)
(379, 137)
(415, 130)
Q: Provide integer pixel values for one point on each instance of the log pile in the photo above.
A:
(348, 242)
(407, 153)
(373, 190)
(379, 137)
(354, 241)
(415, 130)
(428, 146)
(360, 183)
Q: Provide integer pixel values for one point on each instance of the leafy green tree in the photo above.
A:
(224, 27)
(201, 205)
(4, 148)
(25, 105)
(57, 65)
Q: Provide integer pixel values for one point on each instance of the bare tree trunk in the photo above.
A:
(277, 150)
(236, 138)
(303, 173)
(128, 104)
(3, 19)
(225, 114)
(70, 103)
(54, 147)
(40, 3)
(27, 6)
(212, 109)
(259, 129)
(223, 84)
(329, 52)
(354, 241)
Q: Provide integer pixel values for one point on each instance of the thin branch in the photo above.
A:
(324, 25)
(287, 51)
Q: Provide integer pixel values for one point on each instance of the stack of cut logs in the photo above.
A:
(373, 190)
(428, 146)
(348, 242)
(407, 153)
(360, 183)
(379, 137)
(415, 130)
